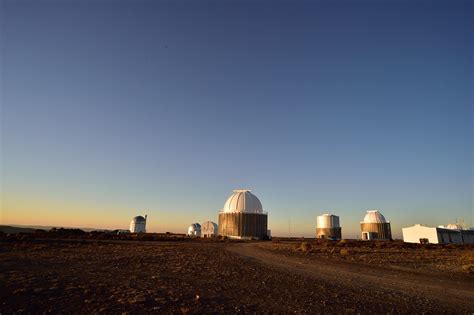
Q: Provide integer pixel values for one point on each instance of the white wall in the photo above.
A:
(414, 233)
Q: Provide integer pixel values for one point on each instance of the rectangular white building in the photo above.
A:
(436, 235)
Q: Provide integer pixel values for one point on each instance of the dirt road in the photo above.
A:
(358, 282)
(204, 276)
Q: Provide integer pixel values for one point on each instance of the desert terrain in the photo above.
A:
(86, 273)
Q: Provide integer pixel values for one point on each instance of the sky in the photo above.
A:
(115, 108)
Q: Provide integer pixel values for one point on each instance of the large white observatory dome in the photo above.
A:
(374, 216)
(242, 200)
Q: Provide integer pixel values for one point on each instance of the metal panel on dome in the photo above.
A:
(242, 200)
(374, 216)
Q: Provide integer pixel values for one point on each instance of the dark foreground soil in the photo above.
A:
(109, 276)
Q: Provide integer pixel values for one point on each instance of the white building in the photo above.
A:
(194, 230)
(243, 217)
(437, 235)
(209, 229)
(327, 227)
(138, 224)
(375, 226)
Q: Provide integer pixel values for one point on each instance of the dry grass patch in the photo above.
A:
(468, 268)
(305, 247)
(344, 252)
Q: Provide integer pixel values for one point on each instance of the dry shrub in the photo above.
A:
(344, 252)
(325, 243)
(468, 257)
(305, 247)
(468, 268)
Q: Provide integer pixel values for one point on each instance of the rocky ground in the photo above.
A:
(111, 276)
(428, 258)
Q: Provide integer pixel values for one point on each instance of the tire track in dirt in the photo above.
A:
(359, 280)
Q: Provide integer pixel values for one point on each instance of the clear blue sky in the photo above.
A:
(111, 108)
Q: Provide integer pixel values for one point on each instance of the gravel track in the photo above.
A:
(395, 289)
(196, 277)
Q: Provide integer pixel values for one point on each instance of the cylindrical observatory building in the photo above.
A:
(375, 227)
(242, 217)
(327, 226)
(138, 224)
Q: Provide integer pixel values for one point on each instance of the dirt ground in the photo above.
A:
(111, 276)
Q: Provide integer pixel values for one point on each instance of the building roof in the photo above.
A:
(374, 216)
(454, 226)
(139, 219)
(194, 227)
(242, 200)
(327, 220)
(209, 226)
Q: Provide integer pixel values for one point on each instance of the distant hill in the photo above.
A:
(12, 229)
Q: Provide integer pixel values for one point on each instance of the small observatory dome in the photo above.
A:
(242, 200)
(454, 226)
(374, 216)
(138, 224)
(375, 226)
(139, 219)
(194, 230)
(209, 229)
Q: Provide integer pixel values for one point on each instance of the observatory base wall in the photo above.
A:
(329, 233)
(467, 236)
(137, 228)
(243, 225)
(383, 230)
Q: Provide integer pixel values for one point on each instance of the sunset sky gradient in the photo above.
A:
(110, 109)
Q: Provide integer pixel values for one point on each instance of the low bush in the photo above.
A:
(468, 257)
(344, 252)
(343, 243)
(468, 268)
(305, 247)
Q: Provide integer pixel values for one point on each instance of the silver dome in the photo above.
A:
(242, 200)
